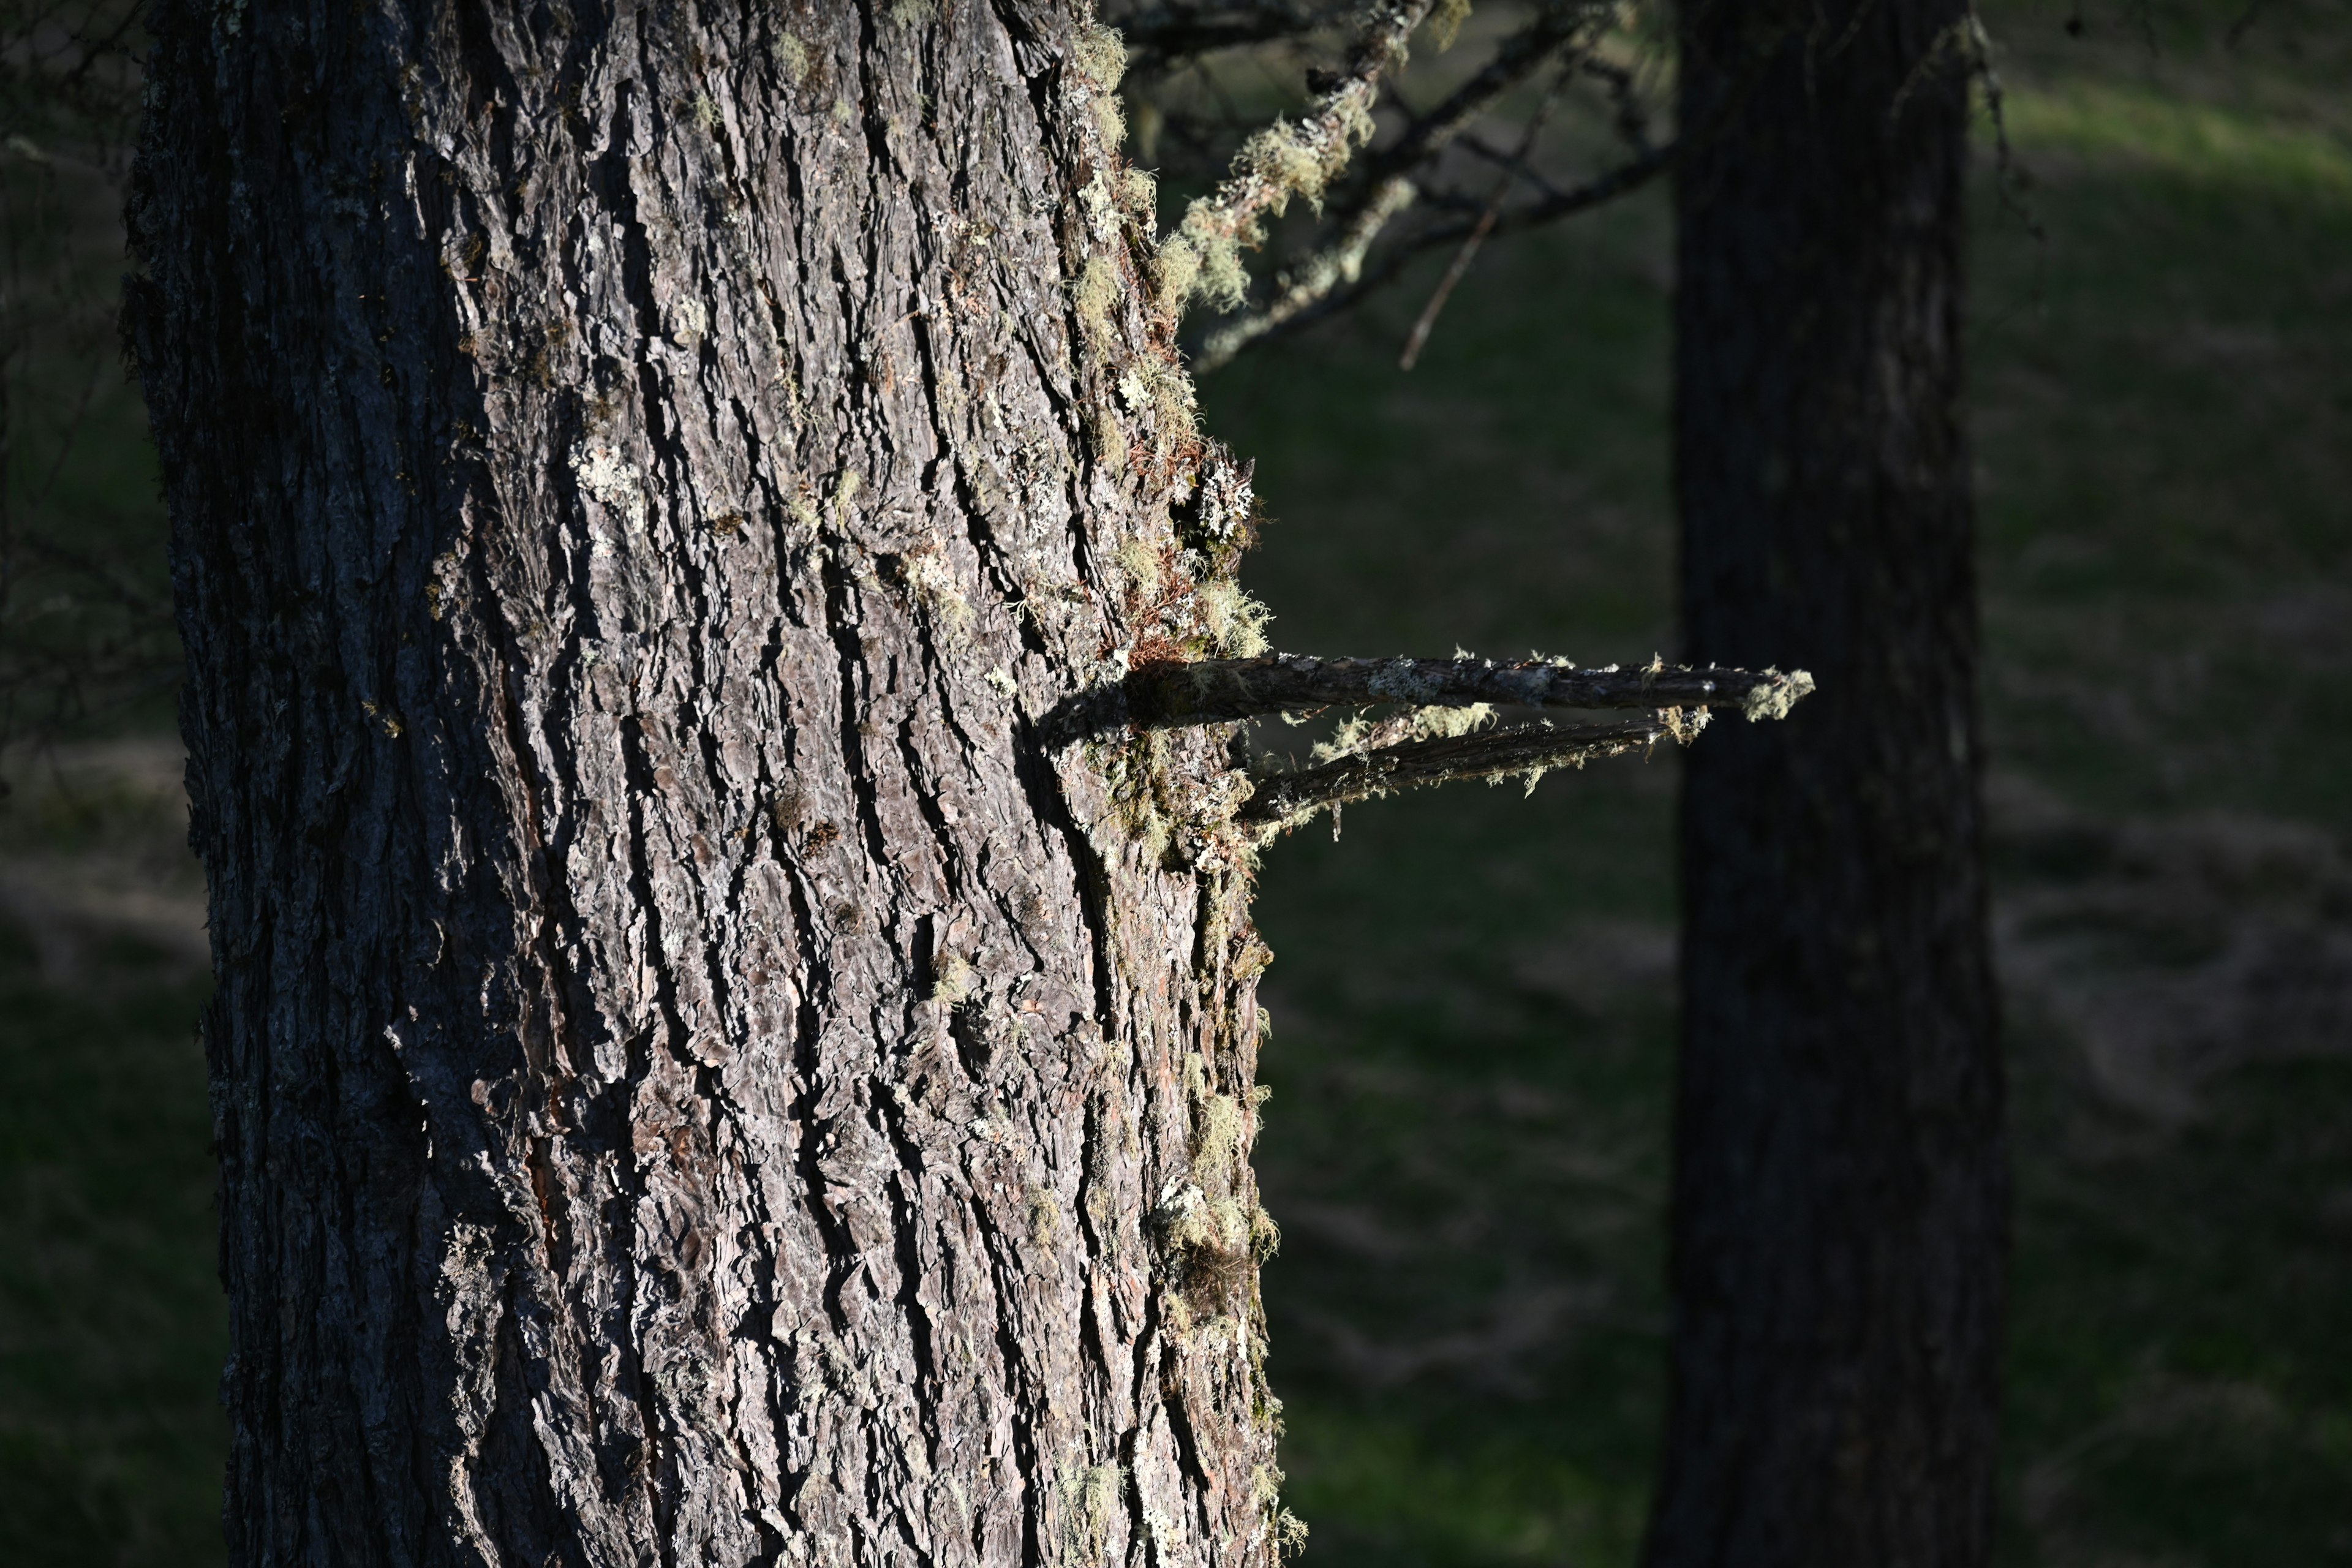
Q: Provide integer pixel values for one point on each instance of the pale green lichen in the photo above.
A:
(1141, 563)
(1775, 699)
(1684, 723)
(1265, 1235)
(1136, 772)
(611, 479)
(1094, 295)
(1446, 723)
(1289, 1533)
(792, 58)
(913, 13)
(1044, 1215)
(1099, 53)
(1217, 1128)
(1109, 440)
(803, 508)
(950, 981)
(1235, 622)
(1284, 160)
(1089, 1500)
(1359, 732)
(931, 580)
(1444, 24)
(1138, 192)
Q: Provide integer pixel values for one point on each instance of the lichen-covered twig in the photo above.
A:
(1388, 188)
(1284, 800)
(1217, 690)
(1287, 159)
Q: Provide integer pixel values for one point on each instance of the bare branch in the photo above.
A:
(1218, 690)
(1282, 801)
(1460, 265)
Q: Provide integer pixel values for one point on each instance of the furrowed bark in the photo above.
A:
(697, 1079)
(1838, 1253)
(1210, 691)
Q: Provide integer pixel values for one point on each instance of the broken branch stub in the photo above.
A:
(1218, 690)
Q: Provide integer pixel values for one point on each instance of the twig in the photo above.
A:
(1282, 801)
(1460, 265)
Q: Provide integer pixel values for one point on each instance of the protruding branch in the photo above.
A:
(1282, 800)
(1216, 690)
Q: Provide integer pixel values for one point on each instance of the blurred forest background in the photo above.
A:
(1473, 1002)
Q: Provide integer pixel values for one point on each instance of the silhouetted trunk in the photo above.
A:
(697, 1079)
(1840, 1195)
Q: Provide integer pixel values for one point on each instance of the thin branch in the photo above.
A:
(1281, 801)
(1218, 690)
(1480, 148)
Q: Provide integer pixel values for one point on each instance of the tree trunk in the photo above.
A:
(1840, 1191)
(697, 1077)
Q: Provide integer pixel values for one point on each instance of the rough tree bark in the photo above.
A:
(695, 1079)
(1840, 1198)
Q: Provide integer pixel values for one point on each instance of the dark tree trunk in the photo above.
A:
(698, 1080)
(1840, 1195)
